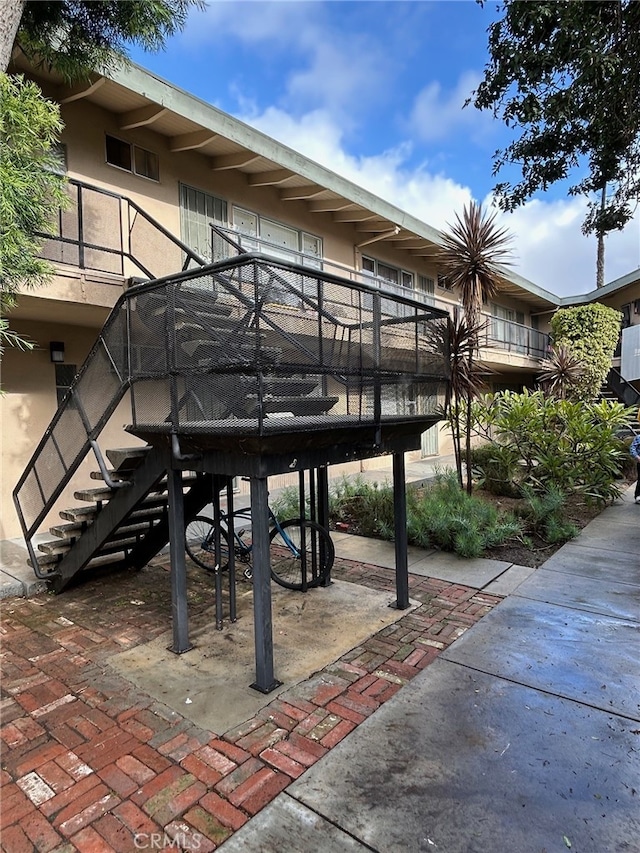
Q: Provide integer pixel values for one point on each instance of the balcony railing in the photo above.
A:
(106, 232)
(514, 337)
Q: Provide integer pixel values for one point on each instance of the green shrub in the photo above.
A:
(543, 513)
(496, 469)
(287, 504)
(439, 516)
(590, 333)
(568, 444)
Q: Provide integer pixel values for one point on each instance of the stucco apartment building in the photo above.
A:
(150, 167)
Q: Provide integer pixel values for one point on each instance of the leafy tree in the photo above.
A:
(566, 76)
(77, 37)
(590, 333)
(470, 256)
(31, 192)
(458, 341)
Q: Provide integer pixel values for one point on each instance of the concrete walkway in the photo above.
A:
(524, 735)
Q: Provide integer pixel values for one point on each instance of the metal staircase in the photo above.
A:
(618, 390)
(244, 356)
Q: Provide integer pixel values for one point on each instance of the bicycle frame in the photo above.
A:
(239, 542)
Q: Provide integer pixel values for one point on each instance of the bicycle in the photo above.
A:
(301, 551)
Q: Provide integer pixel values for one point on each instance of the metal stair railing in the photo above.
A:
(93, 397)
(103, 378)
(297, 324)
(623, 390)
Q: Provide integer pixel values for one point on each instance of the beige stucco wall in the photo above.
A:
(29, 403)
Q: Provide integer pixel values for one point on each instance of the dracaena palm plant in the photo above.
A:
(561, 373)
(456, 339)
(471, 255)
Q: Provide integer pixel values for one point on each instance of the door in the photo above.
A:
(197, 210)
(429, 442)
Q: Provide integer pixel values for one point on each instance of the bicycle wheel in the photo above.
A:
(200, 544)
(314, 561)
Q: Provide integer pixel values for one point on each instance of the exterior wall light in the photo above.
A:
(56, 350)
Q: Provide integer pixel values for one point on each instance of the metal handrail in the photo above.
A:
(622, 389)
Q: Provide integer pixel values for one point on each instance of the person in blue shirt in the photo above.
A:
(635, 452)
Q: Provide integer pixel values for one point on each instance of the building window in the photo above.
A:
(132, 158)
(426, 284)
(444, 283)
(388, 273)
(261, 234)
(65, 374)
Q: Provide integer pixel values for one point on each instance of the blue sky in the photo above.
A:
(374, 91)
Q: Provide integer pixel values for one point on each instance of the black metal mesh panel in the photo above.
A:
(49, 469)
(148, 333)
(59, 252)
(260, 345)
(152, 401)
(114, 336)
(30, 499)
(98, 384)
(70, 434)
(101, 231)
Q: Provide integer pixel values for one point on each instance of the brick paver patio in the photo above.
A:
(90, 763)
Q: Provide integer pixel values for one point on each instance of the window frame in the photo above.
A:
(305, 259)
(133, 149)
(401, 272)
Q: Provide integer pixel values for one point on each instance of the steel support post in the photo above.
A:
(262, 615)
(179, 613)
(323, 508)
(217, 551)
(232, 557)
(400, 518)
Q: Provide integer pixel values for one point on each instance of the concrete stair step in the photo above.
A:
(129, 457)
(295, 405)
(94, 495)
(71, 532)
(57, 546)
(114, 473)
(100, 495)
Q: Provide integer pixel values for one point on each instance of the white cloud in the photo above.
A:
(326, 66)
(437, 114)
(553, 253)
(340, 74)
(430, 196)
(549, 247)
(291, 24)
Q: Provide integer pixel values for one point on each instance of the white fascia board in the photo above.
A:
(147, 84)
(614, 286)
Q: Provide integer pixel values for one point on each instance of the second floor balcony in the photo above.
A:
(104, 232)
